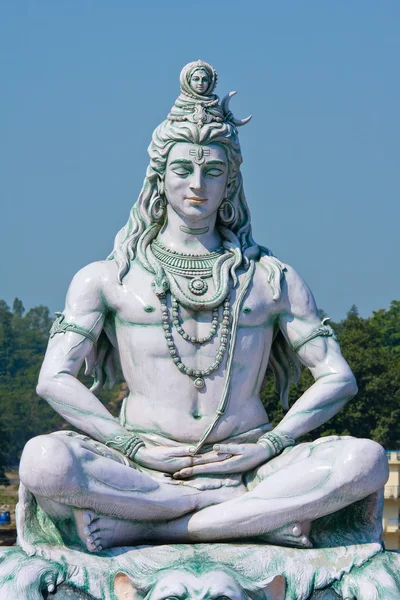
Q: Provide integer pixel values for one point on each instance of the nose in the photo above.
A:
(196, 183)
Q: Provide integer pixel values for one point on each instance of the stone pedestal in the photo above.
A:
(360, 572)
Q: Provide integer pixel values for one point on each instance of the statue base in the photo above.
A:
(234, 571)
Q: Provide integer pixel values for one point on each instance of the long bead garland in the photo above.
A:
(186, 336)
(198, 374)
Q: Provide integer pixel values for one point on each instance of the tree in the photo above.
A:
(23, 341)
(18, 307)
(3, 452)
(6, 339)
(371, 347)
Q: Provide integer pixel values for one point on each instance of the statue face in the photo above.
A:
(200, 81)
(195, 179)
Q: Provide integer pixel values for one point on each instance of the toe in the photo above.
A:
(306, 542)
(91, 546)
(87, 518)
(297, 531)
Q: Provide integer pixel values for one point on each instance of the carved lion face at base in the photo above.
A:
(213, 584)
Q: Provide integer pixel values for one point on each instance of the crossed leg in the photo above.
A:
(71, 478)
(113, 504)
(288, 493)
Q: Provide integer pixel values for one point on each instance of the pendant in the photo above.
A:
(198, 286)
(199, 383)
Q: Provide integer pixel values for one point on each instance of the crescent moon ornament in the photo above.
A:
(225, 107)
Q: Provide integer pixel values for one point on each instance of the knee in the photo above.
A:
(47, 465)
(366, 461)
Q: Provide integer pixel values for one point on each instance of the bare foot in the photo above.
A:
(294, 535)
(99, 532)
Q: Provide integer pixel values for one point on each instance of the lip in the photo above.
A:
(196, 200)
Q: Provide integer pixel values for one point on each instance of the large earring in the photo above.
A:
(160, 187)
(158, 204)
(157, 208)
(227, 212)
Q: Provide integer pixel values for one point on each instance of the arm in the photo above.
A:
(334, 382)
(66, 353)
(70, 398)
(334, 386)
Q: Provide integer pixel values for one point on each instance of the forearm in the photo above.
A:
(318, 404)
(77, 405)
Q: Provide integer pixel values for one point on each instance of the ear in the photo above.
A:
(274, 589)
(124, 588)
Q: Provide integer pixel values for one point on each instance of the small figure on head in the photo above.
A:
(198, 79)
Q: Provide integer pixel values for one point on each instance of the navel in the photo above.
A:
(196, 415)
(246, 309)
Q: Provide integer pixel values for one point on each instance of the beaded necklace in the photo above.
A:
(220, 273)
(197, 374)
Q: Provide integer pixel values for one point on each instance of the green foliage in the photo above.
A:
(23, 341)
(371, 346)
(372, 349)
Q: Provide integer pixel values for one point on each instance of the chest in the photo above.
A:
(135, 303)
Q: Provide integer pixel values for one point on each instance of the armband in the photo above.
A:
(60, 325)
(276, 442)
(127, 444)
(323, 330)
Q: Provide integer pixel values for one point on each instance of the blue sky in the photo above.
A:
(85, 82)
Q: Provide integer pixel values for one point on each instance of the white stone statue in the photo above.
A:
(195, 310)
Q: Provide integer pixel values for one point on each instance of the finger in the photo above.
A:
(183, 451)
(217, 467)
(210, 457)
(228, 448)
(171, 465)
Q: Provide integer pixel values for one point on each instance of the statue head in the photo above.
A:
(210, 582)
(198, 79)
(197, 120)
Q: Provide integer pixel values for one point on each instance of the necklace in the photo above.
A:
(197, 374)
(191, 266)
(193, 231)
(182, 332)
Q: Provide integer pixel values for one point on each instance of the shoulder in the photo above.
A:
(89, 284)
(297, 296)
(289, 289)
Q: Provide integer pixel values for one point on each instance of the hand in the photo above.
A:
(226, 458)
(169, 459)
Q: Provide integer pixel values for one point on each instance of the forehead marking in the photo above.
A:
(198, 154)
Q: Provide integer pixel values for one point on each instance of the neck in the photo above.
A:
(188, 235)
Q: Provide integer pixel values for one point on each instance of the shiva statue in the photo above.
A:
(195, 311)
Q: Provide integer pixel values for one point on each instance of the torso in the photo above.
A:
(164, 400)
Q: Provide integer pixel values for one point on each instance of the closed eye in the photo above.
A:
(214, 172)
(181, 172)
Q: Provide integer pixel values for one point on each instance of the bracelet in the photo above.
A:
(276, 442)
(127, 444)
(60, 325)
(324, 330)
